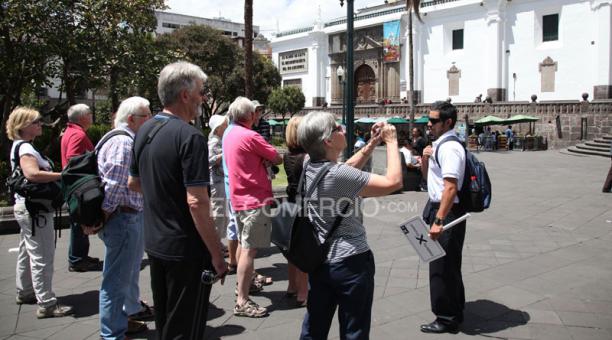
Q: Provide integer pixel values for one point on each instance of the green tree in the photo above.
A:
(223, 62)
(288, 99)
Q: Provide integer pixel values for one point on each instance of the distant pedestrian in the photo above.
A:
(509, 137)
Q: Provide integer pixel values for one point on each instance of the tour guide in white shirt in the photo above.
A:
(444, 179)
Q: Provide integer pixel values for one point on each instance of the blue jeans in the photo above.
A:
(122, 236)
(348, 284)
(79, 244)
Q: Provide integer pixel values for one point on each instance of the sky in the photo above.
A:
(268, 14)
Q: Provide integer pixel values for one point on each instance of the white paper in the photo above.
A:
(417, 232)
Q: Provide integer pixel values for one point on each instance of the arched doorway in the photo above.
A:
(365, 85)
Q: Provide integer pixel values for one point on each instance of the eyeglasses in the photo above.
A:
(434, 121)
(339, 128)
(37, 121)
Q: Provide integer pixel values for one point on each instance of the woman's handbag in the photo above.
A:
(296, 235)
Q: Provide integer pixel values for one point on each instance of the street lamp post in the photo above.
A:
(340, 73)
(350, 103)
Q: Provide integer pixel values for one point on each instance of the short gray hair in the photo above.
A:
(314, 129)
(240, 109)
(77, 111)
(128, 107)
(177, 77)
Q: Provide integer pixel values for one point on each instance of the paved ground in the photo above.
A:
(537, 265)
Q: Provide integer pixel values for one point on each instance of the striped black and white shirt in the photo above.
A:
(340, 186)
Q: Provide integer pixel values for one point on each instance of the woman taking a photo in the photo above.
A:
(36, 239)
(346, 279)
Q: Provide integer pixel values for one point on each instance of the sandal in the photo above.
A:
(250, 309)
(264, 280)
(255, 288)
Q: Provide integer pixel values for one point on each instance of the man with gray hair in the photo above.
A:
(170, 168)
(123, 225)
(74, 143)
(245, 157)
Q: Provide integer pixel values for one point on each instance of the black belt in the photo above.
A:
(128, 210)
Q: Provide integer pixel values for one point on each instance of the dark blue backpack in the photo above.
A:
(475, 194)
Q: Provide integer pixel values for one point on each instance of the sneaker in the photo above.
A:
(135, 326)
(250, 309)
(85, 266)
(55, 311)
(25, 300)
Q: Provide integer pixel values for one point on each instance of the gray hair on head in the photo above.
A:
(77, 111)
(240, 109)
(314, 129)
(177, 77)
(131, 106)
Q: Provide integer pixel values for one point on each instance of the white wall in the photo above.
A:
(576, 72)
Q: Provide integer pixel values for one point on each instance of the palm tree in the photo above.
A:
(248, 48)
(411, 5)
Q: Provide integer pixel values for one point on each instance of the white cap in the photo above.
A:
(257, 104)
(215, 121)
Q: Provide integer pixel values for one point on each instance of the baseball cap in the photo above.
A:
(257, 104)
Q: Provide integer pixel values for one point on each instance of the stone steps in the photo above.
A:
(597, 147)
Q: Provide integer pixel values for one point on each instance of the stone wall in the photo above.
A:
(597, 116)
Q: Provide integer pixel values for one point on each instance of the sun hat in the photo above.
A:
(215, 121)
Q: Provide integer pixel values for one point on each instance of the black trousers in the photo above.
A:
(180, 298)
(608, 183)
(446, 289)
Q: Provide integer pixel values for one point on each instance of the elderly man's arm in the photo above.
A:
(134, 184)
(199, 207)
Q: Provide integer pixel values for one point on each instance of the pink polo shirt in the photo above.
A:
(245, 151)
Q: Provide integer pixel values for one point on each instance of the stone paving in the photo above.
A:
(537, 265)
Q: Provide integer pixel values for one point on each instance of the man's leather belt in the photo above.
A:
(436, 205)
(126, 209)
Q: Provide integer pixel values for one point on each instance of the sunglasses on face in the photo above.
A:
(434, 121)
(36, 121)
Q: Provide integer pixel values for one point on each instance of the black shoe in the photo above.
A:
(92, 259)
(85, 266)
(438, 327)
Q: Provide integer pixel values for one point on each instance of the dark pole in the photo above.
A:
(343, 83)
(349, 87)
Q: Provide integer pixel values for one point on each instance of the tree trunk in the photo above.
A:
(248, 48)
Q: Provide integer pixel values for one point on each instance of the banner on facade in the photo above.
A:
(391, 45)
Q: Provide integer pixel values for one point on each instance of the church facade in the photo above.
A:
(466, 50)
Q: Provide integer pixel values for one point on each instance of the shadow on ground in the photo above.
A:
(85, 304)
(486, 316)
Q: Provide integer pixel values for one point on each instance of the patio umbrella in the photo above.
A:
(365, 120)
(490, 120)
(273, 122)
(397, 120)
(521, 119)
(422, 120)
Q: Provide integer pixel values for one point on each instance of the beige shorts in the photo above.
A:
(254, 228)
(218, 207)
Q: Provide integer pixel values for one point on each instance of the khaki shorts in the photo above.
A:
(254, 228)
(218, 205)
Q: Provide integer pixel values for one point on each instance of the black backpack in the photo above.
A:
(475, 194)
(82, 186)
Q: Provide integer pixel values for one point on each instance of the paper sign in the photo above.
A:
(417, 232)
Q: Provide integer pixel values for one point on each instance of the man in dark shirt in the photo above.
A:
(170, 168)
(262, 127)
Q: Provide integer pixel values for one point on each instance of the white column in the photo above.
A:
(494, 53)
(317, 65)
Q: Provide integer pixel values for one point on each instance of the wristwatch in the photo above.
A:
(438, 221)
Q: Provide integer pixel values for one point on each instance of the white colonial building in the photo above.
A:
(508, 50)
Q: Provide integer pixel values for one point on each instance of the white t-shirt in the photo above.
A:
(27, 149)
(452, 161)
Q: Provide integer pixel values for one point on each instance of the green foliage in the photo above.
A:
(96, 131)
(266, 78)
(288, 99)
